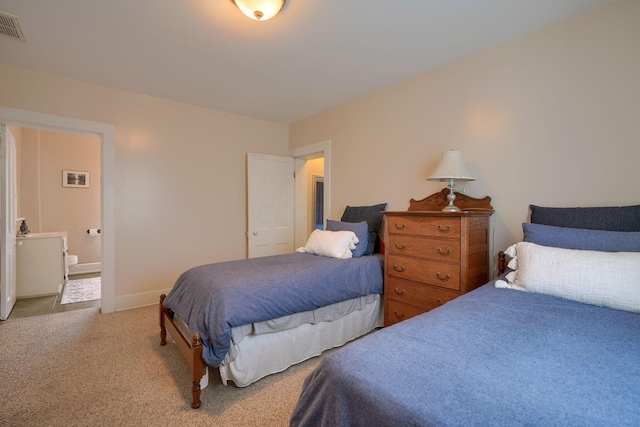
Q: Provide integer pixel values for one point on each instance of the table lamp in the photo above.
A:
(451, 168)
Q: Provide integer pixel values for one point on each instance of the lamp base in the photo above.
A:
(451, 197)
(451, 208)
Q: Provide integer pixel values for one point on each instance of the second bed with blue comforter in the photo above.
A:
(491, 357)
(554, 342)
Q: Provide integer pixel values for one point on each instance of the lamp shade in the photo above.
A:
(260, 10)
(451, 167)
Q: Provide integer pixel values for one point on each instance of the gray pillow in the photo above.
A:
(613, 218)
(583, 239)
(373, 218)
(361, 230)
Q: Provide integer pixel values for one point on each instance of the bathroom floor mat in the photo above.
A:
(80, 290)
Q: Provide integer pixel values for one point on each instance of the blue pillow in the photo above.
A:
(583, 239)
(370, 214)
(359, 228)
(612, 218)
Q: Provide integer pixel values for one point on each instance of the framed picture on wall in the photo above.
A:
(77, 179)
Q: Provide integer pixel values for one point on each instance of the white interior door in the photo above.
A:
(8, 218)
(270, 193)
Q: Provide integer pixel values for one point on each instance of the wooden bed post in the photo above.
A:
(197, 370)
(502, 264)
(163, 330)
(192, 352)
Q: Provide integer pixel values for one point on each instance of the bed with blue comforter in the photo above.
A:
(254, 317)
(214, 298)
(554, 341)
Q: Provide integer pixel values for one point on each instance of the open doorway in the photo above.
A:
(106, 134)
(58, 249)
(318, 202)
(313, 173)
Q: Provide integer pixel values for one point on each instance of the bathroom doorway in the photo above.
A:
(106, 133)
(49, 205)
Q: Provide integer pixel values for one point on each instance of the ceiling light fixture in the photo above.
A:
(260, 10)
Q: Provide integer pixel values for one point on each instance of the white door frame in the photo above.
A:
(107, 135)
(318, 149)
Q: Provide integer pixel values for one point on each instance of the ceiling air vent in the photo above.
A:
(10, 27)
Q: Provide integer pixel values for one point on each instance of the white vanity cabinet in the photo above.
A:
(40, 264)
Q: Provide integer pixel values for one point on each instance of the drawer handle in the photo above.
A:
(400, 246)
(444, 229)
(399, 316)
(395, 267)
(398, 291)
(400, 226)
(441, 252)
(439, 301)
(443, 278)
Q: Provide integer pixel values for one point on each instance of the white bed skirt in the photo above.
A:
(266, 354)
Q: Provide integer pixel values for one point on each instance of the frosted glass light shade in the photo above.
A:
(451, 167)
(260, 10)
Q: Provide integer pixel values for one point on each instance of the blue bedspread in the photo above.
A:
(214, 298)
(493, 357)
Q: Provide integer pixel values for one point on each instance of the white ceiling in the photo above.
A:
(315, 55)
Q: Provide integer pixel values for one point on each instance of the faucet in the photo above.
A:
(24, 228)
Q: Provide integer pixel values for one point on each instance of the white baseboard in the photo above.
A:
(143, 299)
(84, 268)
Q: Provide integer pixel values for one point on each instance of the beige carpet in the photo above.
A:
(83, 368)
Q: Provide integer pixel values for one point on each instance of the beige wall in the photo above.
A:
(180, 184)
(549, 119)
(45, 203)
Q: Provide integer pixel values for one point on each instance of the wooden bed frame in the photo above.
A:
(192, 352)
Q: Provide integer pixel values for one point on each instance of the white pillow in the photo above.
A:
(334, 244)
(606, 279)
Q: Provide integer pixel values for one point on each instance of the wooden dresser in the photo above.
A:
(431, 256)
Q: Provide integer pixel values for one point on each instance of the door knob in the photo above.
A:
(255, 233)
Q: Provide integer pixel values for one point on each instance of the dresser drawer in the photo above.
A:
(425, 226)
(432, 257)
(424, 271)
(416, 294)
(396, 312)
(434, 249)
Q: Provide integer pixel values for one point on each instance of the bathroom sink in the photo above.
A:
(48, 234)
